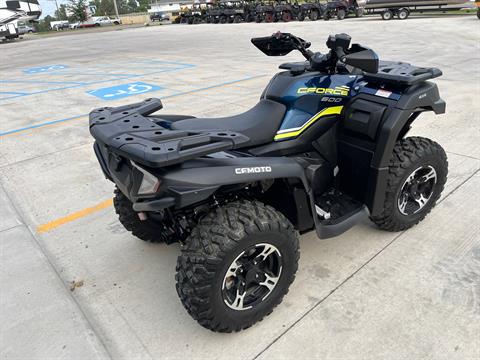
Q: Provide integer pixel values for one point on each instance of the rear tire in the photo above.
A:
(269, 17)
(224, 252)
(147, 230)
(286, 17)
(341, 14)
(410, 156)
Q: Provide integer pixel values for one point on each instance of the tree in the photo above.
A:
(61, 13)
(105, 7)
(44, 24)
(143, 5)
(77, 7)
(132, 6)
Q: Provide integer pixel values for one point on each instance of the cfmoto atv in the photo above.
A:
(324, 149)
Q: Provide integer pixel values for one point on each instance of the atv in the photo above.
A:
(341, 9)
(324, 149)
(312, 10)
(285, 11)
(265, 11)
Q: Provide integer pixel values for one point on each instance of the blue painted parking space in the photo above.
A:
(44, 69)
(124, 90)
(52, 78)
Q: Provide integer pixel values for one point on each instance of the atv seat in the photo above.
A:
(259, 124)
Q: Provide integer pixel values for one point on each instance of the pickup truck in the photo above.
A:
(99, 21)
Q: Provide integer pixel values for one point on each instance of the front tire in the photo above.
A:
(146, 230)
(237, 265)
(416, 177)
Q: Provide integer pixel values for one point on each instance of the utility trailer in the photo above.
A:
(401, 9)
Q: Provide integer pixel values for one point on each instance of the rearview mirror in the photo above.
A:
(364, 59)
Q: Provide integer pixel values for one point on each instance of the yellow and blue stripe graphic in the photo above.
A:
(294, 132)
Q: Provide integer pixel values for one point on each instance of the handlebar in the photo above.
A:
(337, 44)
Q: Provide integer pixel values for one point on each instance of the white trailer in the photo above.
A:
(11, 11)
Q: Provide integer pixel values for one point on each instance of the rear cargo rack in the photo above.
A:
(128, 131)
(390, 72)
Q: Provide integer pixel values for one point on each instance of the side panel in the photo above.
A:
(309, 97)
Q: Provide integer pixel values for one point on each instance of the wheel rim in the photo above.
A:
(402, 15)
(417, 190)
(252, 276)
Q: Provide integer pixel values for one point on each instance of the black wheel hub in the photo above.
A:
(417, 190)
(252, 276)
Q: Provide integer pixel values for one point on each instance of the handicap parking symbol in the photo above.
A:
(44, 69)
(124, 90)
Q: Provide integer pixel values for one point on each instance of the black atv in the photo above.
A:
(234, 11)
(191, 16)
(285, 11)
(265, 12)
(311, 10)
(341, 9)
(324, 149)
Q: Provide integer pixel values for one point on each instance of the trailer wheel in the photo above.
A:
(387, 15)
(359, 12)
(403, 14)
(237, 265)
(341, 14)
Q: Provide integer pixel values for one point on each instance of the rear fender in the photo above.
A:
(196, 180)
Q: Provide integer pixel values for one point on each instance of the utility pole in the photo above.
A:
(116, 8)
(56, 4)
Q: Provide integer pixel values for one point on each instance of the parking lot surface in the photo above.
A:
(76, 285)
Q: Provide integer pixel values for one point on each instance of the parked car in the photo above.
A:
(59, 25)
(24, 27)
(98, 21)
(159, 16)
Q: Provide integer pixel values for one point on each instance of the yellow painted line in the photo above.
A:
(74, 216)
